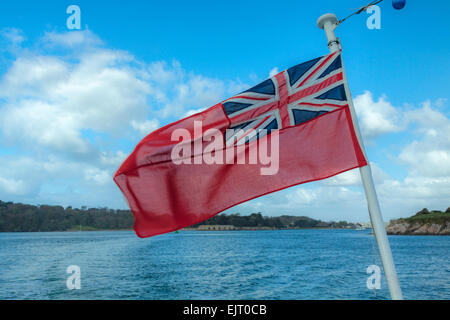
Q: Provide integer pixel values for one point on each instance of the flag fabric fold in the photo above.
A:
(301, 114)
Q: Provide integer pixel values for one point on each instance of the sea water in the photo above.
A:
(281, 264)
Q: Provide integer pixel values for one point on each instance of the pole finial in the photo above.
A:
(328, 22)
(327, 17)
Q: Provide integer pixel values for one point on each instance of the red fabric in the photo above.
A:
(165, 197)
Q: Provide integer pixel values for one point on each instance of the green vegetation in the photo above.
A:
(18, 217)
(433, 216)
(258, 220)
(424, 222)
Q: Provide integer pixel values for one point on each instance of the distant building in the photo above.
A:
(366, 225)
(216, 227)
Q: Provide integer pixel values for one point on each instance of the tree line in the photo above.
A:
(258, 220)
(18, 217)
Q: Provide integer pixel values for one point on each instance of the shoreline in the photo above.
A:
(423, 223)
(199, 230)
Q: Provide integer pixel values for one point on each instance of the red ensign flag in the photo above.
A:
(293, 128)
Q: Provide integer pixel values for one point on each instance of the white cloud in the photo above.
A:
(303, 196)
(321, 196)
(427, 160)
(35, 122)
(273, 72)
(33, 76)
(192, 92)
(71, 39)
(14, 36)
(193, 111)
(146, 126)
(50, 100)
(428, 156)
(98, 176)
(52, 180)
(353, 177)
(113, 159)
(315, 200)
(23, 176)
(12, 186)
(348, 178)
(164, 74)
(66, 114)
(178, 93)
(376, 117)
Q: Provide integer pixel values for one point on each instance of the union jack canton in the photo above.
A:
(291, 97)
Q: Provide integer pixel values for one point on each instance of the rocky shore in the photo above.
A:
(422, 223)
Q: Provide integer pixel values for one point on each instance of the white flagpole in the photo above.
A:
(328, 23)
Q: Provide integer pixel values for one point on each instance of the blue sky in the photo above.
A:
(74, 103)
